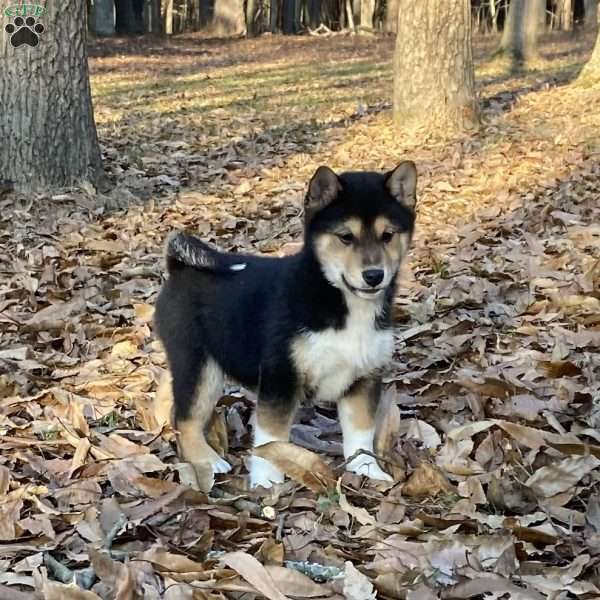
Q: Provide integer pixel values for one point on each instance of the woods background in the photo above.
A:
(252, 17)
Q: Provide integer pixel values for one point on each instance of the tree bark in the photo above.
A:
(519, 39)
(47, 129)
(433, 66)
(391, 16)
(591, 71)
(591, 14)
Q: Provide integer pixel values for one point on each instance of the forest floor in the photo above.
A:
(493, 423)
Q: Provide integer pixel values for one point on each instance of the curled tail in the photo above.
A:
(185, 250)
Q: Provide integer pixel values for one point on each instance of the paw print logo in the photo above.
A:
(24, 31)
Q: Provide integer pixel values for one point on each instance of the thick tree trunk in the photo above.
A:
(591, 14)
(519, 39)
(591, 71)
(103, 17)
(47, 126)
(391, 16)
(433, 66)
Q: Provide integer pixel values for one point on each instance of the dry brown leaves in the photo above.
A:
(493, 424)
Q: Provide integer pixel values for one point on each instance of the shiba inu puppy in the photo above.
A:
(318, 321)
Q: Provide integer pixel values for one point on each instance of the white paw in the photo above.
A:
(263, 473)
(364, 464)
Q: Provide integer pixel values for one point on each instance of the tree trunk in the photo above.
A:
(591, 71)
(252, 26)
(367, 11)
(391, 16)
(152, 20)
(168, 17)
(290, 10)
(47, 130)
(275, 16)
(565, 10)
(128, 17)
(494, 15)
(103, 17)
(349, 15)
(229, 17)
(519, 39)
(433, 66)
(591, 14)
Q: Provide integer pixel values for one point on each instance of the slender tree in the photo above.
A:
(433, 65)
(47, 127)
(519, 39)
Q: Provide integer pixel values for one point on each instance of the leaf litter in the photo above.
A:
(492, 409)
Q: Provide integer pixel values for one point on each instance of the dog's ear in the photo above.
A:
(402, 183)
(323, 189)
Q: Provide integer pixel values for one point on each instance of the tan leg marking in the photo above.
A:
(163, 400)
(357, 417)
(192, 441)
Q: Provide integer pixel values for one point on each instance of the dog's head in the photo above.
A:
(359, 226)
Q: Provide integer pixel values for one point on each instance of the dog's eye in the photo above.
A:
(386, 237)
(345, 238)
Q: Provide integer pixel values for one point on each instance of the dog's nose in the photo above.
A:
(373, 277)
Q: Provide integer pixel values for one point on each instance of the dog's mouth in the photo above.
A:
(360, 291)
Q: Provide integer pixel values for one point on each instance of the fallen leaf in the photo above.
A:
(300, 464)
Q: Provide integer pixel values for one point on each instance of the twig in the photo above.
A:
(373, 455)
(317, 572)
(242, 504)
(114, 531)
(58, 571)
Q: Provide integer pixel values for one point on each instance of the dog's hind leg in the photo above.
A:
(163, 401)
(275, 411)
(196, 391)
(356, 412)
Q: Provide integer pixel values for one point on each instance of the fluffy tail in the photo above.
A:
(187, 250)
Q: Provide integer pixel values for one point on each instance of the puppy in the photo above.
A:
(318, 321)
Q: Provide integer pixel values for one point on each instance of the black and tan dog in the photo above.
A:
(318, 320)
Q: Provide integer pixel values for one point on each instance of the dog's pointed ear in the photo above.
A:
(402, 183)
(324, 188)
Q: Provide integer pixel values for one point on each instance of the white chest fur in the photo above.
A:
(331, 360)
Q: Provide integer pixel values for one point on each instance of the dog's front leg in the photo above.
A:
(356, 411)
(275, 411)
